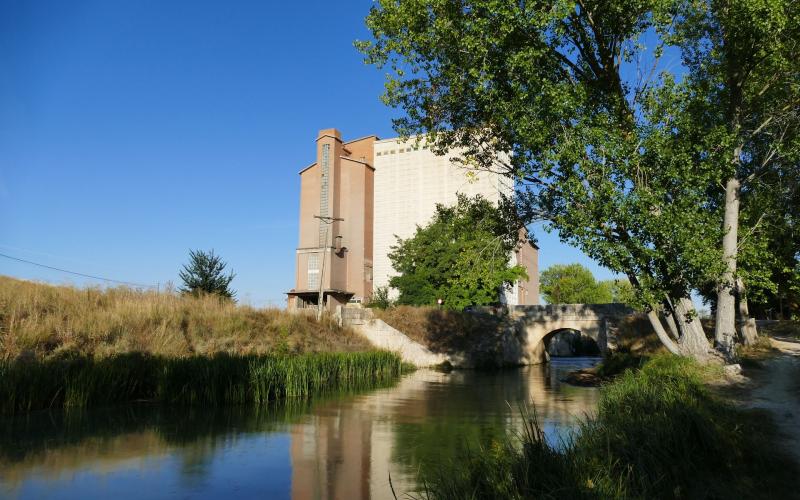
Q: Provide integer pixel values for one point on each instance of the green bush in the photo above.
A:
(380, 298)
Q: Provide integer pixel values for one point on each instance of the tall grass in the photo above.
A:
(43, 321)
(216, 380)
(658, 433)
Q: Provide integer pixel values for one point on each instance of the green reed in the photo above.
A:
(217, 380)
(659, 432)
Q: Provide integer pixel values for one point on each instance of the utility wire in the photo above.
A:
(76, 273)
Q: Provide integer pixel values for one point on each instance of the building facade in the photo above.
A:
(359, 196)
(335, 240)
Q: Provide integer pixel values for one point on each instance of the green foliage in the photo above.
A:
(205, 274)
(658, 433)
(770, 246)
(461, 257)
(744, 80)
(625, 156)
(622, 292)
(573, 284)
(198, 380)
(380, 298)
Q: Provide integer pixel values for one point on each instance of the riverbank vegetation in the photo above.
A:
(217, 380)
(63, 347)
(39, 321)
(658, 432)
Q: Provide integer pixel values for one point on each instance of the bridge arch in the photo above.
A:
(539, 323)
(568, 342)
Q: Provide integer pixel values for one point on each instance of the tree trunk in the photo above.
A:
(693, 341)
(691, 338)
(673, 327)
(655, 321)
(670, 318)
(725, 329)
(747, 325)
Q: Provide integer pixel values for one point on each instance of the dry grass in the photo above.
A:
(441, 330)
(752, 356)
(45, 322)
(786, 328)
(636, 336)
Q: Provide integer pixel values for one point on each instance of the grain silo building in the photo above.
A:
(359, 196)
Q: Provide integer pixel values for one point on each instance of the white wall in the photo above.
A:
(408, 184)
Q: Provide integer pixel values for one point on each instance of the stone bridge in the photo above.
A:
(520, 339)
(537, 324)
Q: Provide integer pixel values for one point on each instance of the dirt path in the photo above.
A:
(777, 390)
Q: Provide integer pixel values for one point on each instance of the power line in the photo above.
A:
(76, 273)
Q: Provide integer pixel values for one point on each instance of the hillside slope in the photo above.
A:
(44, 321)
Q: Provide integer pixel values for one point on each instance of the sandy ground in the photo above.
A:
(776, 388)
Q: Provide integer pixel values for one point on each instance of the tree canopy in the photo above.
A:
(461, 257)
(635, 161)
(573, 284)
(205, 273)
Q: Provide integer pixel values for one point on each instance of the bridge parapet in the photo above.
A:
(551, 312)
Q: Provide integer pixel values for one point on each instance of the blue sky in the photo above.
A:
(131, 132)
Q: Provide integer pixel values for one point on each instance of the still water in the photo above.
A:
(345, 447)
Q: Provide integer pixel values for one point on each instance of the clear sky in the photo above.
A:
(131, 132)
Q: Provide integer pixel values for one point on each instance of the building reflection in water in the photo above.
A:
(349, 449)
(343, 448)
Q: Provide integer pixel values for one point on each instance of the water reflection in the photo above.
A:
(344, 447)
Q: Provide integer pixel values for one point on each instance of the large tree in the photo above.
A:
(461, 256)
(742, 85)
(769, 245)
(623, 156)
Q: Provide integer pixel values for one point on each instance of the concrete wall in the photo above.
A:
(409, 181)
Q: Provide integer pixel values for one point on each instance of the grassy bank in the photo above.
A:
(63, 347)
(44, 322)
(658, 433)
(441, 330)
(198, 380)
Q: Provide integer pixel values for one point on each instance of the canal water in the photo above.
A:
(343, 447)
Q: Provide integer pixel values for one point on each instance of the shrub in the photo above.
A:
(380, 298)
